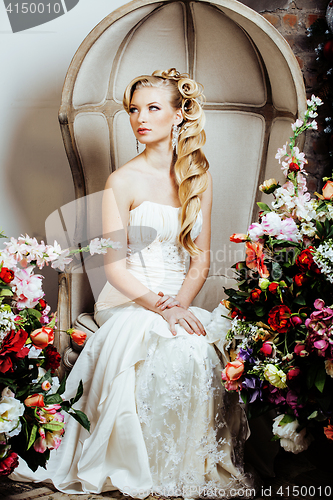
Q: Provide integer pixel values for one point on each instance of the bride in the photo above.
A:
(161, 422)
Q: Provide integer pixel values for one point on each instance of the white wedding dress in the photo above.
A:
(161, 421)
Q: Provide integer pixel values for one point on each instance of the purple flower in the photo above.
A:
(291, 400)
(246, 355)
(253, 386)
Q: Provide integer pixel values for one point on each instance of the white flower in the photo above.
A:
(62, 260)
(101, 246)
(313, 125)
(11, 410)
(314, 101)
(290, 439)
(298, 123)
(281, 152)
(313, 114)
(308, 229)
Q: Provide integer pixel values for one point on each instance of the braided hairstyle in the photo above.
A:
(191, 164)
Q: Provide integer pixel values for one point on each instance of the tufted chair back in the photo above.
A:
(254, 90)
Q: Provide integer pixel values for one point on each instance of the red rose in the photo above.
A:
(254, 295)
(294, 167)
(8, 464)
(7, 275)
(300, 279)
(52, 358)
(237, 313)
(42, 304)
(305, 261)
(273, 287)
(12, 346)
(279, 318)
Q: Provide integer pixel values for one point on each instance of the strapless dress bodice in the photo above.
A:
(154, 255)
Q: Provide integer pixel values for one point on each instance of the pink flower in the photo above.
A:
(27, 288)
(255, 231)
(267, 348)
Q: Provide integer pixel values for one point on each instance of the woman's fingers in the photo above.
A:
(166, 301)
(195, 324)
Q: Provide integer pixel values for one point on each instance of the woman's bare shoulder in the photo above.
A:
(124, 176)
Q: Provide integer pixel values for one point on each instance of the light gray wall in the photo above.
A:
(35, 178)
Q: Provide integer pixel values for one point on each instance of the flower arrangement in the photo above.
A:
(281, 336)
(31, 404)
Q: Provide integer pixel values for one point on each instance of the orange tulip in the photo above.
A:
(234, 369)
(238, 237)
(35, 400)
(42, 337)
(78, 336)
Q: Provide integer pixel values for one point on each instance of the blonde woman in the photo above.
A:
(161, 422)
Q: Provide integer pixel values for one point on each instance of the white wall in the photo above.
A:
(35, 177)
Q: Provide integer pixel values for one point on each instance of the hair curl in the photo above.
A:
(191, 165)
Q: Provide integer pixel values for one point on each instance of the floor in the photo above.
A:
(306, 476)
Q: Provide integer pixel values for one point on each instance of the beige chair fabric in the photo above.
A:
(254, 91)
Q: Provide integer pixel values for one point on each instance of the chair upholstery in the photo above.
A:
(254, 91)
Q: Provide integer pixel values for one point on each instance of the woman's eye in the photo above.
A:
(133, 110)
(153, 108)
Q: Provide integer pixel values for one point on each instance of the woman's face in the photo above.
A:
(152, 116)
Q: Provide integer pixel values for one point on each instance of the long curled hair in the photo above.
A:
(191, 164)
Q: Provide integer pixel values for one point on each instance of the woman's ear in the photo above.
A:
(179, 117)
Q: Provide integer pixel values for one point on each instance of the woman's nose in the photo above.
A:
(142, 117)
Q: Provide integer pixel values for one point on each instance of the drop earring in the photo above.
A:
(175, 135)
(137, 147)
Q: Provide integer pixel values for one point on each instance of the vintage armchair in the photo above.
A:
(254, 91)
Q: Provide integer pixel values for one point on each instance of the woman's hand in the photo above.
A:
(167, 301)
(183, 317)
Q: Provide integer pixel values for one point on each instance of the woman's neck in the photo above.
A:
(159, 157)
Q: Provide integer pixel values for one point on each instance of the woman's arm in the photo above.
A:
(115, 210)
(199, 266)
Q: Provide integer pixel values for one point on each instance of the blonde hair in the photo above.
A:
(191, 165)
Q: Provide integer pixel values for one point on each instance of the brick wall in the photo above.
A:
(291, 18)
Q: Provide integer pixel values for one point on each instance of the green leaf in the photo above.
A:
(32, 436)
(78, 394)
(81, 418)
(263, 207)
(300, 300)
(54, 426)
(52, 399)
(313, 415)
(244, 396)
(311, 375)
(320, 379)
(276, 271)
(62, 386)
(34, 312)
(287, 419)
(275, 438)
(259, 310)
